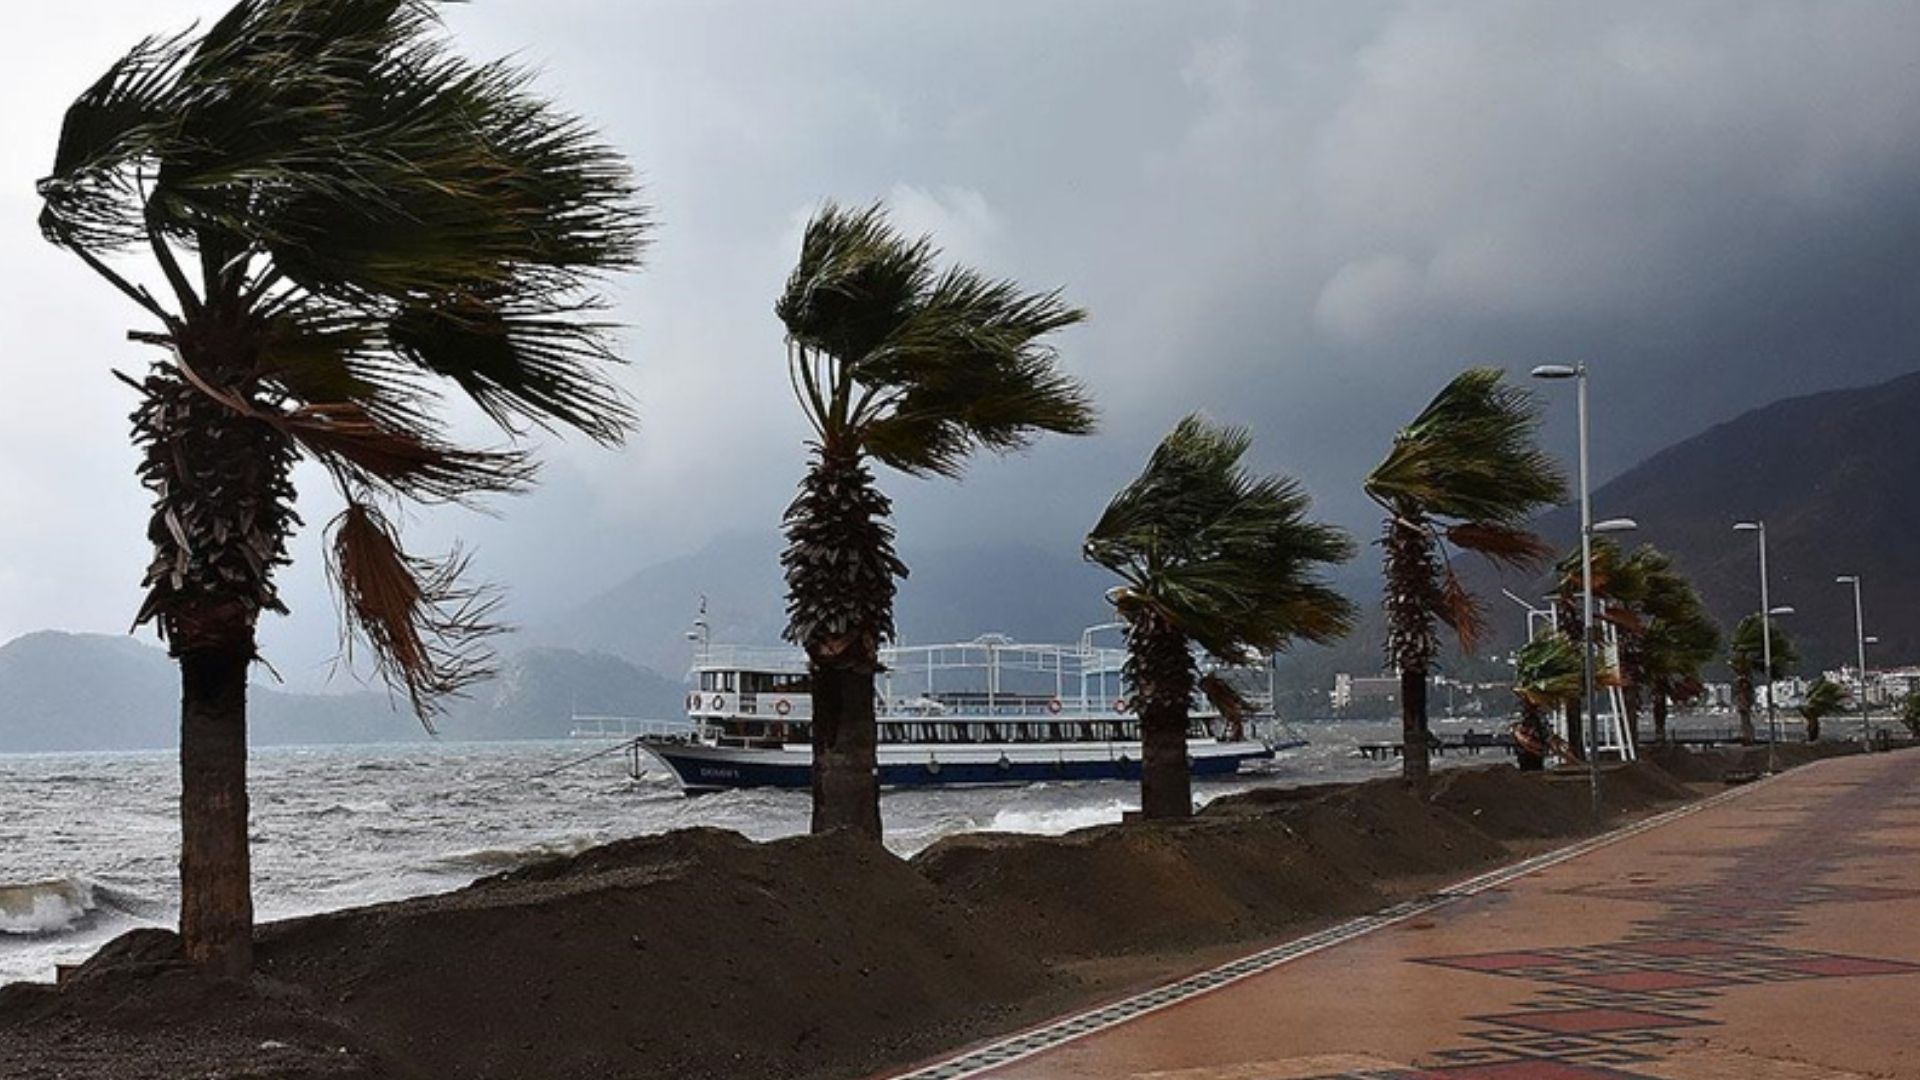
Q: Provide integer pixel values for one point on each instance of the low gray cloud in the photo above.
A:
(1300, 217)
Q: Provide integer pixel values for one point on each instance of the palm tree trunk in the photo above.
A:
(1413, 573)
(846, 767)
(1631, 695)
(1415, 767)
(1813, 729)
(222, 510)
(840, 568)
(1576, 728)
(1660, 717)
(216, 898)
(1743, 699)
(1161, 674)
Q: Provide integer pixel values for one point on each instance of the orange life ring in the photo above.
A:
(1053, 706)
(782, 707)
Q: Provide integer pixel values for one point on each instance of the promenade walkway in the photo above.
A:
(1771, 934)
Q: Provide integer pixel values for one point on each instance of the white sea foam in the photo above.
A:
(1053, 821)
(45, 907)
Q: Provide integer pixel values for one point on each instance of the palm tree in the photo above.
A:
(1675, 648)
(1823, 699)
(1467, 473)
(1650, 606)
(346, 222)
(916, 369)
(1548, 675)
(1746, 656)
(1212, 557)
(1618, 587)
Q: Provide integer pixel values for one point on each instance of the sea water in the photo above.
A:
(89, 842)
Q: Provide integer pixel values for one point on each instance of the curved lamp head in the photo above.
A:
(1870, 640)
(1556, 371)
(1847, 579)
(1615, 525)
(1783, 609)
(1749, 526)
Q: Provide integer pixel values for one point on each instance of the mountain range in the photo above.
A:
(1830, 475)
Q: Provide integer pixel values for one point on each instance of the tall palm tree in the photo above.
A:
(1823, 699)
(1213, 557)
(1548, 675)
(895, 362)
(346, 222)
(1466, 473)
(1747, 657)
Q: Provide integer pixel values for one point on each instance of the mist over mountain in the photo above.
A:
(79, 692)
(952, 594)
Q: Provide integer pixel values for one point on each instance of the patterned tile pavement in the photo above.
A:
(1783, 914)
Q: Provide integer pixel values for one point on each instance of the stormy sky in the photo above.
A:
(1301, 217)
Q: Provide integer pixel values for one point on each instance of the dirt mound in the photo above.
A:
(1716, 764)
(137, 1010)
(1249, 866)
(1142, 888)
(1510, 805)
(693, 954)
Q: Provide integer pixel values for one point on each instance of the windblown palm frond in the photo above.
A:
(1471, 456)
(1228, 559)
(918, 368)
(1548, 671)
(1823, 698)
(1747, 657)
(350, 221)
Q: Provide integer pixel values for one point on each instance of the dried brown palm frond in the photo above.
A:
(426, 627)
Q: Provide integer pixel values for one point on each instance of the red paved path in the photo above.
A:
(1772, 936)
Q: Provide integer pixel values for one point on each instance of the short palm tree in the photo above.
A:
(896, 362)
(1747, 657)
(1215, 558)
(1649, 604)
(1466, 473)
(1675, 648)
(1548, 676)
(346, 222)
(1824, 698)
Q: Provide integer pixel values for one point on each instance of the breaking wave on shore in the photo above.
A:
(56, 906)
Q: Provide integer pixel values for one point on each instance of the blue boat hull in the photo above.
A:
(700, 773)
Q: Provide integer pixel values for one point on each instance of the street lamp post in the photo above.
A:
(1767, 613)
(1860, 639)
(1578, 373)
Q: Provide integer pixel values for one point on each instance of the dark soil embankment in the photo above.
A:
(700, 954)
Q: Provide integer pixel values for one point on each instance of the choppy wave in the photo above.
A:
(489, 860)
(47, 907)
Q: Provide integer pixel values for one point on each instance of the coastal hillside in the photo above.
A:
(77, 692)
(1832, 476)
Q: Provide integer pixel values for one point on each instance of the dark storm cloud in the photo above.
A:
(1301, 217)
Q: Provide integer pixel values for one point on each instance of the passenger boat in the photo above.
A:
(987, 711)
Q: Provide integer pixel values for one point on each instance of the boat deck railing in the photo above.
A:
(630, 727)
